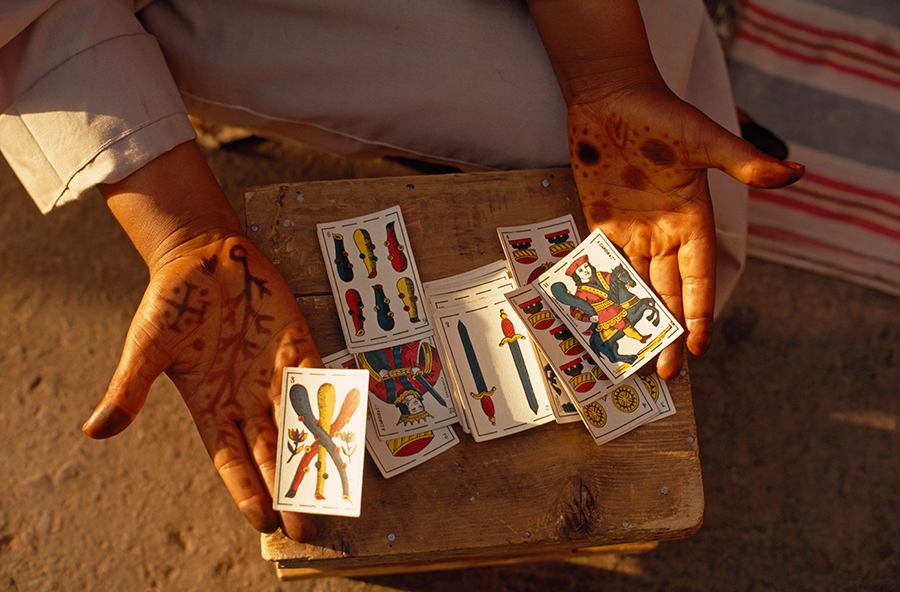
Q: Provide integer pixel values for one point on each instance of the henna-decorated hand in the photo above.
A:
(640, 159)
(221, 322)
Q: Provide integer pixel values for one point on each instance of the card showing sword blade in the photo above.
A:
(321, 441)
(497, 368)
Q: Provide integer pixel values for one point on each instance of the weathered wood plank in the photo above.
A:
(547, 490)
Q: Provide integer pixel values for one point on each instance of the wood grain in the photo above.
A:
(548, 490)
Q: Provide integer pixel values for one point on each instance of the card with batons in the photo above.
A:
(533, 249)
(496, 365)
(395, 456)
(374, 280)
(321, 441)
(408, 388)
(619, 321)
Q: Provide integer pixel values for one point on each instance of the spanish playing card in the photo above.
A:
(620, 322)
(374, 280)
(321, 441)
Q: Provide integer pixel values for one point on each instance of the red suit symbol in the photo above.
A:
(523, 253)
(540, 319)
(354, 301)
(568, 344)
(395, 249)
(581, 381)
(560, 244)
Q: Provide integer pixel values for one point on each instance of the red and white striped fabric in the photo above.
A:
(828, 82)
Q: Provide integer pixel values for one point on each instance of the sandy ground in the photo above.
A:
(797, 412)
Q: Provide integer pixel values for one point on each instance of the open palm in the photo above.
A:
(221, 322)
(640, 160)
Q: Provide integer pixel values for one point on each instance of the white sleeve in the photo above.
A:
(86, 98)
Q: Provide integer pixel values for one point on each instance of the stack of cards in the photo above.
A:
(594, 321)
(498, 379)
(388, 330)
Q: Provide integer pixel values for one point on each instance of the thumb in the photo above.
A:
(141, 363)
(743, 161)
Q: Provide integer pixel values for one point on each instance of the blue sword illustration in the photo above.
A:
(510, 337)
(483, 394)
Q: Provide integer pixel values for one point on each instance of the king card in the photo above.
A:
(619, 321)
(408, 389)
(374, 280)
(320, 460)
(397, 455)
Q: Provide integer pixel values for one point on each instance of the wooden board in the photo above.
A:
(542, 492)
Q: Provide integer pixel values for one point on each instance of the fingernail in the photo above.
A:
(262, 519)
(299, 527)
(107, 420)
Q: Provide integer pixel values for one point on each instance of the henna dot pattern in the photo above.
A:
(658, 152)
(587, 153)
(634, 177)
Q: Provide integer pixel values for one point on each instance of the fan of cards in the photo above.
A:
(556, 332)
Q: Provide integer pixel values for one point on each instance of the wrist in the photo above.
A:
(171, 205)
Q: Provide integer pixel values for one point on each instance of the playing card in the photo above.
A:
(441, 294)
(619, 321)
(397, 455)
(320, 457)
(374, 280)
(618, 411)
(408, 389)
(575, 369)
(534, 248)
(607, 410)
(496, 366)
(659, 392)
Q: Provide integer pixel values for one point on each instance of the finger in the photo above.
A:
(697, 266)
(262, 439)
(299, 527)
(665, 277)
(228, 451)
(743, 161)
(141, 363)
(697, 261)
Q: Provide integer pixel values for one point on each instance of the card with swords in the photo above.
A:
(374, 280)
(530, 250)
(321, 441)
(397, 455)
(449, 291)
(496, 366)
